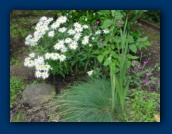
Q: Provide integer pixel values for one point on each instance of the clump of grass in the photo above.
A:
(86, 102)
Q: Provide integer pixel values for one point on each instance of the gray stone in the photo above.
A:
(37, 94)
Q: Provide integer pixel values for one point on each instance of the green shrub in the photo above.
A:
(16, 86)
(86, 102)
(142, 105)
(65, 46)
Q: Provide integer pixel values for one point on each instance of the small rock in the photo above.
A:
(35, 95)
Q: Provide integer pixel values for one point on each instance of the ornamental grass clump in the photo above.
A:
(86, 102)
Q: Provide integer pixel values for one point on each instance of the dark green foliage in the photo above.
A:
(86, 102)
(152, 16)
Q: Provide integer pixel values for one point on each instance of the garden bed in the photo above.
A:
(25, 113)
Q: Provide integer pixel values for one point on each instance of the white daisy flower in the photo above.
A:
(71, 32)
(90, 72)
(78, 29)
(26, 63)
(51, 34)
(47, 56)
(44, 18)
(45, 75)
(62, 30)
(76, 24)
(29, 37)
(64, 49)
(77, 36)
(68, 40)
(98, 32)
(90, 45)
(62, 58)
(45, 28)
(59, 45)
(86, 37)
(85, 41)
(32, 55)
(30, 63)
(38, 74)
(40, 67)
(36, 34)
(93, 38)
(55, 25)
(62, 19)
(54, 56)
(106, 31)
(85, 26)
(47, 68)
(50, 19)
(41, 60)
(27, 59)
(73, 45)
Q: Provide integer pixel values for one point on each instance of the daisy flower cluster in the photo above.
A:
(42, 69)
(74, 37)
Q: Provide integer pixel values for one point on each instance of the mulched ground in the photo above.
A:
(19, 51)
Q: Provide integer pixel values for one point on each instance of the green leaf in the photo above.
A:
(100, 58)
(132, 57)
(96, 52)
(133, 48)
(130, 39)
(145, 39)
(113, 12)
(105, 52)
(147, 43)
(107, 23)
(107, 62)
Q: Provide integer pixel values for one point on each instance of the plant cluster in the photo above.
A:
(16, 86)
(105, 47)
(142, 105)
(139, 76)
(62, 46)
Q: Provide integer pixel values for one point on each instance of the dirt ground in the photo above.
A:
(40, 114)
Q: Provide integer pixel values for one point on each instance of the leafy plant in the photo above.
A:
(16, 86)
(139, 76)
(141, 106)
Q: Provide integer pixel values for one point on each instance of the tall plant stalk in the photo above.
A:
(117, 80)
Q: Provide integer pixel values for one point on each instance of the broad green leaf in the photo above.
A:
(96, 52)
(147, 43)
(105, 52)
(133, 48)
(100, 58)
(145, 39)
(113, 12)
(107, 62)
(132, 57)
(130, 39)
(107, 23)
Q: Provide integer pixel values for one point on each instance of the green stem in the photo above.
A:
(112, 88)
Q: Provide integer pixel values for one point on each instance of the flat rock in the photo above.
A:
(38, 94)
